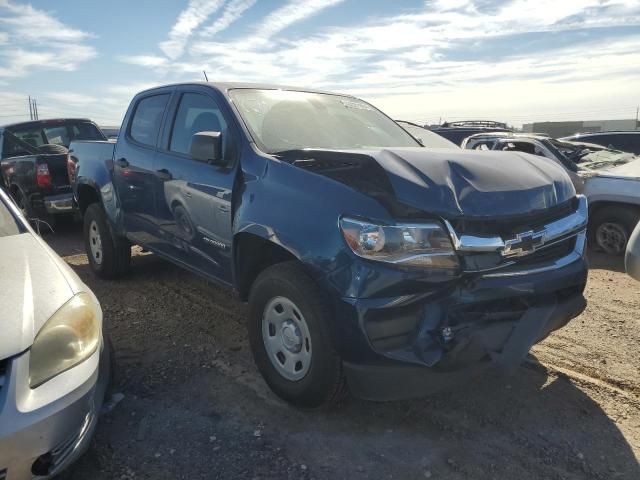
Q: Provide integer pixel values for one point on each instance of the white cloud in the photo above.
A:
(292, 12)
(232, 12)
(29, 24)
(189, 19)
(144, 60)
(34, 39)
(417, 64)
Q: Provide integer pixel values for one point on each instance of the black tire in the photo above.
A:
(610, 228)
(114, 258)
(324, 383)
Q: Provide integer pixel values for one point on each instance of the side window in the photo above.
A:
(146, 120)
(196, 113)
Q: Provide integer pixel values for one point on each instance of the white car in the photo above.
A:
(610, 180)
(54, 362)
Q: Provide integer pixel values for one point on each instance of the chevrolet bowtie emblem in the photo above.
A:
(524, 243)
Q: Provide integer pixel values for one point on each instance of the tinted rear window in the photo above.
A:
(57, 133)
(146, 120)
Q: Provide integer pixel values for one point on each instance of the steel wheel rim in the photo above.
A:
(612, 238)
(95, 242)
(286, 338)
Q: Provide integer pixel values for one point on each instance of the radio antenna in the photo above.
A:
(205, 76)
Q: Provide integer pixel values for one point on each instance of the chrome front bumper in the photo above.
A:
(63, 203)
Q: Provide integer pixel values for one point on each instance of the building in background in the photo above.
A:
(564, 129)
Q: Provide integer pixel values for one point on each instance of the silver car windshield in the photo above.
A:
(282, 120)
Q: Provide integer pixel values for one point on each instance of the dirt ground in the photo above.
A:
(195, 406)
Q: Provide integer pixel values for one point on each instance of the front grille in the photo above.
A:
(550, 253)
(509, 226)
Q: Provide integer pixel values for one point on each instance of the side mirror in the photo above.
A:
(207, 147)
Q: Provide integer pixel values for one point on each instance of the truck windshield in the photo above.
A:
(281, 120)
(62, 133)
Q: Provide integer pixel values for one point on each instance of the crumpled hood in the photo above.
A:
(447, 182)
(34, 285)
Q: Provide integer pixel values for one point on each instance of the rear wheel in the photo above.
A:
(610, 229)
(109, 255)
(290, 338)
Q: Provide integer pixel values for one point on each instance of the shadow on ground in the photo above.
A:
(195, 406)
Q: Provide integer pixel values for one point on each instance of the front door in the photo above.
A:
(193, 197)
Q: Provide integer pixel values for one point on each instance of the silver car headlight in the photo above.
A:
(68, 338)
(425, 245)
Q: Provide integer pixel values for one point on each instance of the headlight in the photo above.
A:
(68, 338)
(416, 245)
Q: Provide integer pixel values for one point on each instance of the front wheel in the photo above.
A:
(290, 337)
(109, 255)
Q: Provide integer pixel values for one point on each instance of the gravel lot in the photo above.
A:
(194, 405)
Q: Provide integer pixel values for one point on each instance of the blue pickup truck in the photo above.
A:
(368, 261)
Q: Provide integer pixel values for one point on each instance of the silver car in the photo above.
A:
(54, 362)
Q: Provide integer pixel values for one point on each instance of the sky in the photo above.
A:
(420, 60)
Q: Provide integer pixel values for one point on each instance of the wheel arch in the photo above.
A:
(252, 255)
(86, 195)
(598, 206)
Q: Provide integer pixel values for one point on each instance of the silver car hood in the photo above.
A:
(34, 283)
(631, 169)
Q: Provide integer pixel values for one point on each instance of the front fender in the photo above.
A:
(299, 211)
(612, 189)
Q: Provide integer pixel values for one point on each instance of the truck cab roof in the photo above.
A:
(226, 86)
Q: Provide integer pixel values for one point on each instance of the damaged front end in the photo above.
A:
(519, 273)
(512, 291)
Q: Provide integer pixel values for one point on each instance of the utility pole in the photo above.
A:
(35, 108)
(30, 109)
(637, 112)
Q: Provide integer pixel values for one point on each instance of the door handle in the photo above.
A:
(122, 162)
(224, 209)
(164, 174)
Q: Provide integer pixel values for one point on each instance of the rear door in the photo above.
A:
(133, 165)
(193, 197)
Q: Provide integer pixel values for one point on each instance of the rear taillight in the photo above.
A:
(71, 169)
(43, 177)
